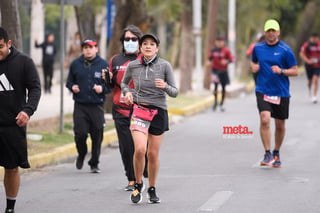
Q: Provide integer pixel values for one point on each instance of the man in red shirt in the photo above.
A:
(219, 58)
(310, 54)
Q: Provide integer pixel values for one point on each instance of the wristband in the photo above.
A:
(283, 71)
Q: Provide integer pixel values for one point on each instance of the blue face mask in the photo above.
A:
(131, 46)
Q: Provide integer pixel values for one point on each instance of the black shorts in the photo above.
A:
(309, 71)
(160, 122)
(278, 111)
(223, 76)
(13, 147)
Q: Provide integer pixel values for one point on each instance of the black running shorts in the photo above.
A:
(13, 147)
(278, 111)
(160, 122)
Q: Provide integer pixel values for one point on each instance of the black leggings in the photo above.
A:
(88, 119)
(215, 93)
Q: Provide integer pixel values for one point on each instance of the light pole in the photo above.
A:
(62, 44)
(232, 35)
(197, 33)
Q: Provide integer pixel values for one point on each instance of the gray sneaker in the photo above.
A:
(129, 187)
(95, 169)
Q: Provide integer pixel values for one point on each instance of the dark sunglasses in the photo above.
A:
(132, 39)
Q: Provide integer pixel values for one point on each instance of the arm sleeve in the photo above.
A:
(33, 86)
(171, 88)
(126, 80)
(70, 78)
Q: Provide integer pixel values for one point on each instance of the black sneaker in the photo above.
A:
(95, 169)
(129, 187)
(136, 195)
(79, 163)
(214, 107)
(9, 211)
(152, 196)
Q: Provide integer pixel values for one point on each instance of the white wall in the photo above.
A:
(37, 29)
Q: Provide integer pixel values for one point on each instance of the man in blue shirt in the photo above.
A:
(273, 61)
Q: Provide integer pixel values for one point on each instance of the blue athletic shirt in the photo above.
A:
(269, 83)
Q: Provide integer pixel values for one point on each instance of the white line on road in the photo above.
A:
(216, 201)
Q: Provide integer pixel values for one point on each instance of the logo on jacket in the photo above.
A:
(5, 84)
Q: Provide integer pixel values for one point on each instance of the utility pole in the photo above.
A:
(197, 33)
(232, 35)
(62, 45)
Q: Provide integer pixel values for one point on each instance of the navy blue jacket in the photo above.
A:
(86, 74)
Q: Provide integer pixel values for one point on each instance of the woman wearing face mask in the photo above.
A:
(121, 111)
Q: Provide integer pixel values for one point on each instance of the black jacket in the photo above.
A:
(86, 74)
(20, 88)
(49, 51)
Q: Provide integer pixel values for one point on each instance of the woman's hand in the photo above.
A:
(160, 83)
(128, 99)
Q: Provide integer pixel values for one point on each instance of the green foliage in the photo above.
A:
(53, 14)
(168, 10)
(98, 4)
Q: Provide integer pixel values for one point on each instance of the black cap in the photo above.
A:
(149, 35)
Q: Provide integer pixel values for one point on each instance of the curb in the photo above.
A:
(194, 108)
(63, 153)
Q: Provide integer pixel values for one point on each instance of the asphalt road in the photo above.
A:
(202, 169)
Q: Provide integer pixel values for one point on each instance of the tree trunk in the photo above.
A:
(211, 35)
(187, 49)
(175, 44)
(128, 12)
(10, 21)
(86, 20)
(307, 21)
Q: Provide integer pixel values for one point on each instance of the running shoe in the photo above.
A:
(79, 163)
(314, 99)
(152, 196)
(136, 195)
(222, 109)
(130, 187)
(277, 162)
(95, 169)
(214, 107)
(268, 159)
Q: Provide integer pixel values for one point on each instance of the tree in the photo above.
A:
(10, 20)
(86, 20)
(210, 37)
(166, 14)
(127, 12)
(307, 20)
(186, 61)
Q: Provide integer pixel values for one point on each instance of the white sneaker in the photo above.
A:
(314, 99)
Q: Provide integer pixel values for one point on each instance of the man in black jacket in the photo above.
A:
(89, 90)
(49, 51)
(20, 92)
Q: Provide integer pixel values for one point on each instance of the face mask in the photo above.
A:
(131, 46)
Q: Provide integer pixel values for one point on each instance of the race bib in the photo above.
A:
(141, 118)
(272, 99)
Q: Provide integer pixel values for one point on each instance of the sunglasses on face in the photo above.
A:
(131, 38)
